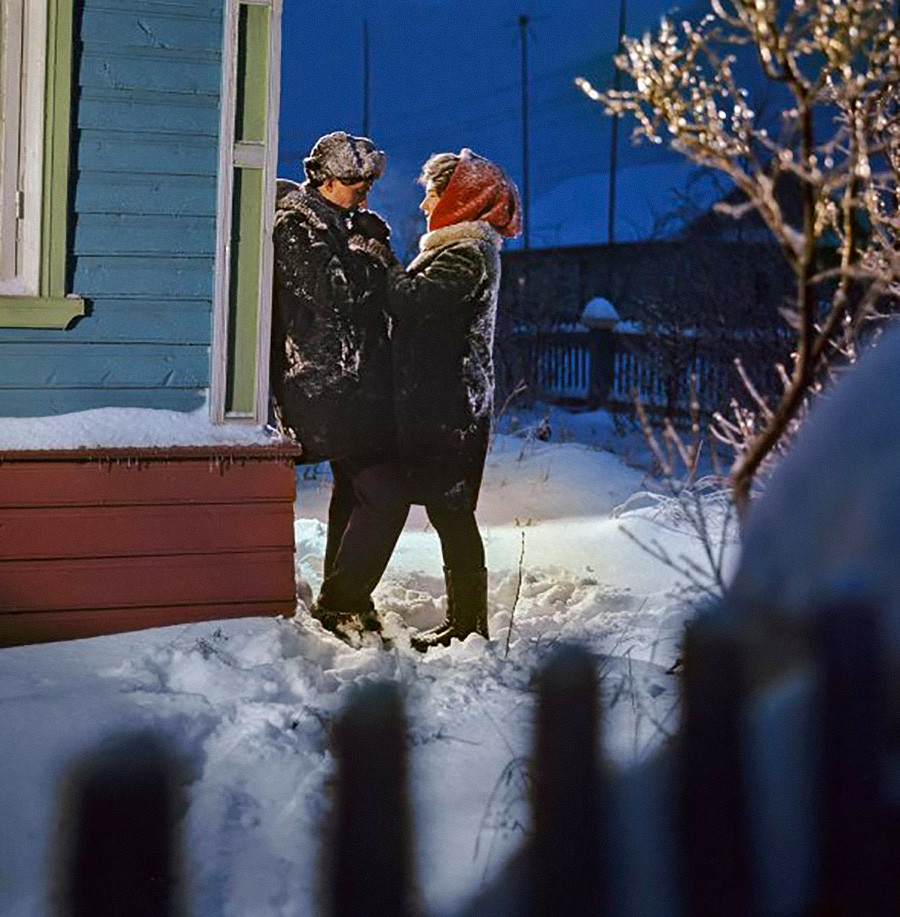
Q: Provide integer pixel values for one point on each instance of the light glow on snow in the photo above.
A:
(248, 701)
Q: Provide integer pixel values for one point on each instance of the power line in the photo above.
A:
(614, 142)
(365, 119)
(463, 101)
(523, 35)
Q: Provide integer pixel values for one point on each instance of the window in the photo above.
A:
(35, 132)
(248, 155)
(24, 30)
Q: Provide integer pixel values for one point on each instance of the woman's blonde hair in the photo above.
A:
(437, 171)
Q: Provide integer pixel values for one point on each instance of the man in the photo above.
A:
(331, 365)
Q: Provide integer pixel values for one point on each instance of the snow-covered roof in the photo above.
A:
(573, 212)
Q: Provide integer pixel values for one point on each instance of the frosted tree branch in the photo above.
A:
(833, 143)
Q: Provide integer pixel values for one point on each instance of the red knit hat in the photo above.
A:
(478, 190)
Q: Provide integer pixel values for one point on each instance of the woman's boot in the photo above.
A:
(466, 610)
(442, 634)
(469, 591)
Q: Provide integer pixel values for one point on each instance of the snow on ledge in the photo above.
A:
(129, 428)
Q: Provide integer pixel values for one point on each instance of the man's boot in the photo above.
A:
(466, 610)
(342, 622)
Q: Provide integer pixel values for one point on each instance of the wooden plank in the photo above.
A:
(149, 28)
(46, 626)
(173, 153)
(96, 483)
(152, 276)
(120, 192)
(150, 68)
(43, 402)
(184, 9)
(97, 365)
(122, 531)
(134, 582)
(126, 321)
(142, 110)
(145, 234)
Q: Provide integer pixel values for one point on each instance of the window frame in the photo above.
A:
(49, 306)
(242, 301)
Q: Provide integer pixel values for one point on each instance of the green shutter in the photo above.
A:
(246, 249)
(250, 136)
(52, 308)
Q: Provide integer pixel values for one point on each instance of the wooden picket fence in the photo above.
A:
(778, 795)
(578, 367)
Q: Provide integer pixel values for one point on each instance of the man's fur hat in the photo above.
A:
(344, 157)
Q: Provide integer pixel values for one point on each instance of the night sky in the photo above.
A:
(446, 74)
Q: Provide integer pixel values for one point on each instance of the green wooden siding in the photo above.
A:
(135, 235)
(142, 224)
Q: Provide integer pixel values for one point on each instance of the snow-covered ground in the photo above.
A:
(248, 701)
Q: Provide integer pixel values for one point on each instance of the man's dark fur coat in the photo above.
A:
(331, 361)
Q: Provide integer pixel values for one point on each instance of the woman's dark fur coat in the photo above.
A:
(331, 369)
(444, 309)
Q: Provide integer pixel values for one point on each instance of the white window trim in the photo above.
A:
(230, 155)
(23, 187)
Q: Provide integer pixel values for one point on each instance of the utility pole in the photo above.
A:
(365, 118)
(523, 35)
(614, 142)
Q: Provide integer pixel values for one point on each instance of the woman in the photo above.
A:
(443, 309)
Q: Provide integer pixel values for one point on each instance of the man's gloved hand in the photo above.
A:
(370, 225)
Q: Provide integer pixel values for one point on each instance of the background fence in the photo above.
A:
(579, 367)
(778, 795)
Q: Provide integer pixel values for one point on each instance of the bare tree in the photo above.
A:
(830, 129)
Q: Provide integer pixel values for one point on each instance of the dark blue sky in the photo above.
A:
(446, 74)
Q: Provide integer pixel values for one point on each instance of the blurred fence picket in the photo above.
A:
(860, 821)
(369, 847)
(565, 862)
(119, 851)
(713, 792)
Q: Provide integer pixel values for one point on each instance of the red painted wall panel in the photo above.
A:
(33, 533)
(186, 579)
(106, 543)
(44, 626)
(105, 483)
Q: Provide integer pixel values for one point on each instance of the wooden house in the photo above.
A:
(137, 154)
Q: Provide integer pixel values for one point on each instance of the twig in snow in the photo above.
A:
(498, 415)
(512, 611)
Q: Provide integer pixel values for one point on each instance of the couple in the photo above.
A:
(387, 371)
